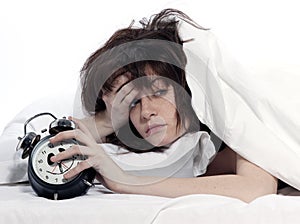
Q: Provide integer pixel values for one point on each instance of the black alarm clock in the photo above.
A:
(46, 177)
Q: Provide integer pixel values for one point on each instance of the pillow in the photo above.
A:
(256, 114)
(189, 156)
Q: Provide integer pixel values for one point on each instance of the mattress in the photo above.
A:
(19, 204)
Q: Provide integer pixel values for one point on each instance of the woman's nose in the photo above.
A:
(148, 109)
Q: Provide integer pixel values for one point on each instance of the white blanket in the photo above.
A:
(256, 114)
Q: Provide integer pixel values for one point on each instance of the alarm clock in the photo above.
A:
(46, 177)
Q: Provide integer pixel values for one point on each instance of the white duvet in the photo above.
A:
(256, 112)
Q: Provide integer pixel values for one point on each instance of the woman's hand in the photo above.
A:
(111, 175)
(118, 102)
(97, 158)
(116, 113)
(89, 148)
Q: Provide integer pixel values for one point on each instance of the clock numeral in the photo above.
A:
(44, 152)
(40, 169)
(40, 161)
(61, 149)
(56, 179)
(47, 177)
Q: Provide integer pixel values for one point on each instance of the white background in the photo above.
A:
(43, 44)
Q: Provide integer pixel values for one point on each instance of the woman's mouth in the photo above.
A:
(154, 129)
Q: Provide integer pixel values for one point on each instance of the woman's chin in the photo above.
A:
(159, 141)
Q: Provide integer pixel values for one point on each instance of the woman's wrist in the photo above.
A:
(103, 124)
(121, 184)
(99, 126)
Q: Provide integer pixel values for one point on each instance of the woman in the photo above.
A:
(140, 107)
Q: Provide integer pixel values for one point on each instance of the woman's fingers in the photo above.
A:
(69, 153)
(77, 169)
(81, 134)
(121, 105)
(73, 134)
(124, 92)
(126, 95)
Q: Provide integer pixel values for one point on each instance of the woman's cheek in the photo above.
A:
(134, 120)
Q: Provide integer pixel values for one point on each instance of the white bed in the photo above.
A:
(262, 124)
(20, 205)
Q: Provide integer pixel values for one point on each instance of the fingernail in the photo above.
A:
(53, 158)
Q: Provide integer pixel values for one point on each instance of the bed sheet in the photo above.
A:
(19, 204)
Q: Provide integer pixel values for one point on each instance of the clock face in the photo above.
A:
(49, 171)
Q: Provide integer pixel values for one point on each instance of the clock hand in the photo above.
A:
(60, 167)
(54, 168)
(64, 165)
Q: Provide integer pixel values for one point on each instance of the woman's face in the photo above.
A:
(153, 109)
(154, 113)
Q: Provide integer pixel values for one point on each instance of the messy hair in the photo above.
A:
(156, 44)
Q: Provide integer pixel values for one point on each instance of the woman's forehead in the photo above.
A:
(148, 79)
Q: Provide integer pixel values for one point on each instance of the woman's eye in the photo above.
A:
(160, 92)
(134, 103)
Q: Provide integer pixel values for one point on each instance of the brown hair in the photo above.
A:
(158, 45)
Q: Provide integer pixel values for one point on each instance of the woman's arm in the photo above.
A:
(249, 182)
(93, 124)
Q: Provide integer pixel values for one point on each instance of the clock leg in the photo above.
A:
(55, 196)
